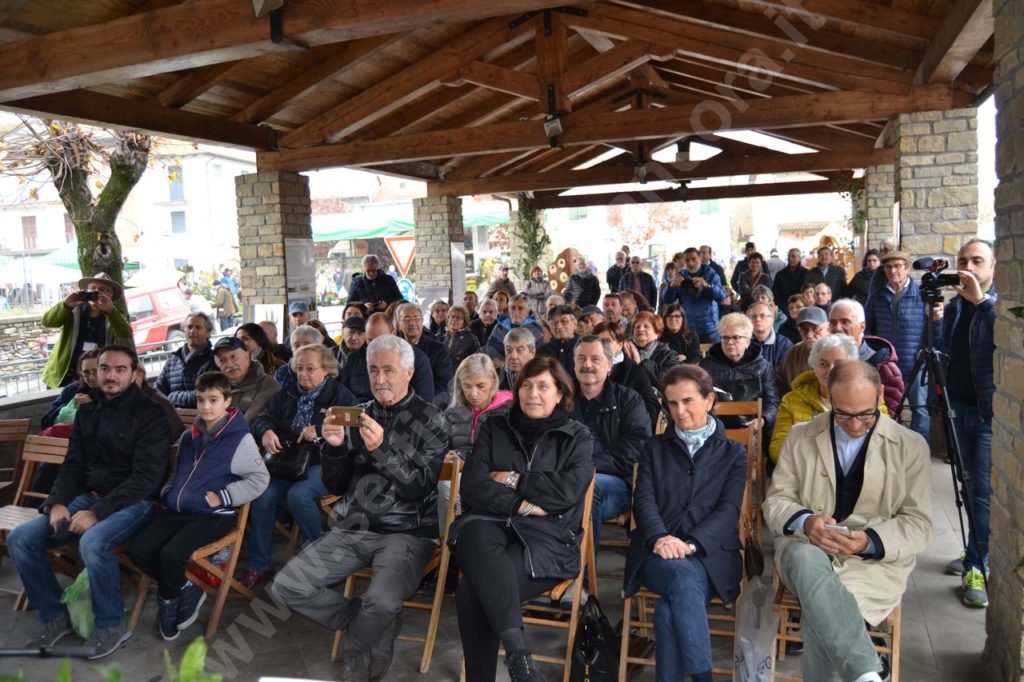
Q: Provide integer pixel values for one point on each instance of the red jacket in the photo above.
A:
(885, 361)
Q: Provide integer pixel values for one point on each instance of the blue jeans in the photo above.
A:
(974, 435)
(681, 617)
(27, 545)
(303, 504)
(612, 497)
(917, 400)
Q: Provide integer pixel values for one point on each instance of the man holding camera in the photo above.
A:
(698, 290)
(88, 320)
(968, 335)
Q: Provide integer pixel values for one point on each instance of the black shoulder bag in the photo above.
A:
(291, 463)
(595, 652)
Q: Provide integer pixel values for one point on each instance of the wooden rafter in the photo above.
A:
(194, 83)
(858, 13)
(499, 79)
(967, 27)
(552, 42)
(205, 32)
(608, 66)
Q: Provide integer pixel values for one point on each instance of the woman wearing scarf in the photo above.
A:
(294, 412)
(686, 505)
(523, 490)
(654, 356)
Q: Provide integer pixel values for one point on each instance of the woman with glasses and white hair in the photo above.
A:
(739, 369)
(809, 395)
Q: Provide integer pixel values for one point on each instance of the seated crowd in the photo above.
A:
(538, 394)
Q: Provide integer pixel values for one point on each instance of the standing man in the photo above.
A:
(878, 276)
(969, 345)
(501, 283)
(826, 271)
(897, 313)
(699, 292)
(639, 282)
(706, 258)
(177, 379)
(615, 272)
(374, 288)
(789, 280)
(225, 305)
(87, 319)
(103, 495)
(742, 266)
(774, 264)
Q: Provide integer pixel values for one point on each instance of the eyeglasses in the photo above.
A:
(761, 316)
(411, 318)
(862, 417)
(734, 339)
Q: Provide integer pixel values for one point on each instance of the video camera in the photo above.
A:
(932, 278)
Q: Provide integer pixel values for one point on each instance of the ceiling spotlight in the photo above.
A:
(640, 173)
(553, 127)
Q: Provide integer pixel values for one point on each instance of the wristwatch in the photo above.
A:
(693, 547)
(512, 480)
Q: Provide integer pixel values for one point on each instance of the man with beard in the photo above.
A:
(698, 290)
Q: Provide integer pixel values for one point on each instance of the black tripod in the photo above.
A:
(929, 365)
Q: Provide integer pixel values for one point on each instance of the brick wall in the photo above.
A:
(1006, 545)
(879, 197)
(937, 180)
(271, 207)
(438, 223)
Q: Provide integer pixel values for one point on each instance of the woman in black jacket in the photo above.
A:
(677, 335)
(626, 372)
(738, 368)
(654, 356)
(860, 285)
(686, 505)
(461, 341)
(523, 491)
(296, 412)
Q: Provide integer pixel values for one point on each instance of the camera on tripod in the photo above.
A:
(933, 279)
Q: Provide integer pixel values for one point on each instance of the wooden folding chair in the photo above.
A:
(13, 431)
(201, 558)
(451, 472)
(787, 604)
(721, 616)
(326, 508)
(751, 439)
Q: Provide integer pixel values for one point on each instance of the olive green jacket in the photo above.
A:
(119, 330)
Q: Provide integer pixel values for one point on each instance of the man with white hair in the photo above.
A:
(847, 317)
(374, 288)
(355, 373)
(386, 471)
(520, 348)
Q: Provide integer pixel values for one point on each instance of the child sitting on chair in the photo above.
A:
(218, 468)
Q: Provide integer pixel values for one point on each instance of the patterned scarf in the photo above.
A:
(304, 409)
(695, 439)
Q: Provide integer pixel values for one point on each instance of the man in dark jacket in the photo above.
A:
(484, 324)
(968, 341)
(104, 494)
(355, 372)
(847, 317)
(619, 423)
(614, 274)
(639, 282)
(773, 346)
(699, 291)
(177, 379)
(411, 321)
(386, 471)
(789, 280)
(563, 337)
(519, 315)
(706, 258)
(897, 313)
(828, 272)
(374, 288)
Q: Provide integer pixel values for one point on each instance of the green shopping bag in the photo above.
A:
(78, 601)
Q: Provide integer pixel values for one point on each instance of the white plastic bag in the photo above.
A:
(756, 625)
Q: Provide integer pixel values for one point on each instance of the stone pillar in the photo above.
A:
(879, 198)
(440, 248)
(273, 215)
(1005, 644)
(937, 181)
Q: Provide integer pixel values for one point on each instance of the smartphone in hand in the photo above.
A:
(843, 530)
(346, 416)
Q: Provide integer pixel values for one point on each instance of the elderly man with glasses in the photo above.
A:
(850, 506)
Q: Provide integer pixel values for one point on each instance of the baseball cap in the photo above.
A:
(357, 323)
(811, 315)
(229, 343)
(591, 310)
(298, 307)
(560, 310)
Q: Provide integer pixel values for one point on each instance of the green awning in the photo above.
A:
(350, 226)
(64, 257)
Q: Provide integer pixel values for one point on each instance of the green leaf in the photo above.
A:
(194, 662)
(65, 671)
(169, 670)
(20, 677)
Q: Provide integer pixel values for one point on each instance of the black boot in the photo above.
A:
(521, 667)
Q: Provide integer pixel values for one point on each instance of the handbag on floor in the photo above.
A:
(595, 652)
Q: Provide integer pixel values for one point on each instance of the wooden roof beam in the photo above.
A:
(610, 65)
(132, 114)
(499, 79)
(193, 84)
(204, 32)
(863, 13)
(967, 27)
(718, 166)
(770, 189)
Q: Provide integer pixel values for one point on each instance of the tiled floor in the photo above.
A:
(942, 640)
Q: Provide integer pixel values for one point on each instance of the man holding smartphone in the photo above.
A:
(850, 505)
(87, 319)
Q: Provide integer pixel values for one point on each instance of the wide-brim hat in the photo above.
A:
(104, 279)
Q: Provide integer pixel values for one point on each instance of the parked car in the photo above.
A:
(157, 315)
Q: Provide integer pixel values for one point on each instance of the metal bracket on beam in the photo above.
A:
(277, 33)
(522, 19)
(639, 92)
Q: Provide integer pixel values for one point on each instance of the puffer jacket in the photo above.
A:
(802, 404)
(583, 289)
(230, 465)
(701, 305)
(177, 379)
(118, 449)
(554, 476)
(119, 330)
(464, 422)
(392, 489)
(657, 360)
(882, 355)
(906, 334)
(753, 376)
(281, 409)
(982, 347)
(620, 426)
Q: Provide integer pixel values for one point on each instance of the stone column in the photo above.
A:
(1005, 644)
(272, 207)
(937, 181)
(440, 244)
(879, 198)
